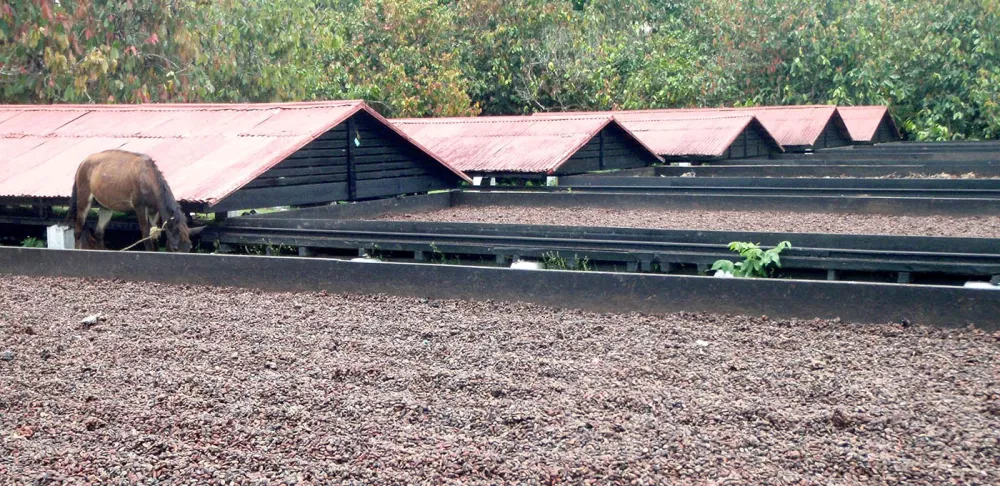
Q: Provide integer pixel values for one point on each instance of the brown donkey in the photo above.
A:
(126, 181)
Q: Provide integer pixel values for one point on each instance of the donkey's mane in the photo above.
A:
(166, 195)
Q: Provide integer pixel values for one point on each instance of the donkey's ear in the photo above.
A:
(196, 231)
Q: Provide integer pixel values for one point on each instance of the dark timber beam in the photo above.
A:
(352, 171)
(953, 307)
(601, 163)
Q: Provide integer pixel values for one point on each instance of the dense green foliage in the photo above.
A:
(935, 62)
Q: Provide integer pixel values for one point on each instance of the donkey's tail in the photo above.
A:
(71, 214)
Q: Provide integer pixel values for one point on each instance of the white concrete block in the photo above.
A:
(477, 181)
(981, 285)
(493, 181)
(59, 237)
(244, 212)
(551, 180)
(527, 265)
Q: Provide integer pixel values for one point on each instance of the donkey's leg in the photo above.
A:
(151, 218)
(140, 217)
(103, 218)
(143, 220)
(80, 218)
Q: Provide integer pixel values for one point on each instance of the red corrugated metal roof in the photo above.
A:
(205, 151)
(863, 121)
(507, 143)
(793, 125)
(691, 134)
(796, 125)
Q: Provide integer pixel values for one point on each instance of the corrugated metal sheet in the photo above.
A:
(794, 126)
(507, 143)
(689, 134)
(863, 121)
(791, 126)
(205, 151)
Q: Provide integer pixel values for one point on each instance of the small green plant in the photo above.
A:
(268, 248)
(437, 256)
(553, 261)
(32, 242)
(757, 262)
(375, 251)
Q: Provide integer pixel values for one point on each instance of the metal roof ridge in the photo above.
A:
(509, 135)
(666, 117)
(765, 107)
(863, 106)
(309, 105)
(493, 119)
(55, 136)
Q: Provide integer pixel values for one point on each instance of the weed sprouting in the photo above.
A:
(554, 261)
(437, 256)
(32, 242)
(757, 262)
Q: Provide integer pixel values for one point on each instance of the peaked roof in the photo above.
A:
(508, 143)
(863, 121)
(205, 151)
(791, 126)
(690, 134)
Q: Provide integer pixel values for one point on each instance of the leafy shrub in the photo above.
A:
(32, 242)
(757, 262)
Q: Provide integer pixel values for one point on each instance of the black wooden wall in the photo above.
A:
(885, 133)
(752, 142)
(611, 148)
(359, 159)
(834, 135)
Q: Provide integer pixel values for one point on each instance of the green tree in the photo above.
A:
(100, 51)
(936, 63)
(254, 54)
(402, 55)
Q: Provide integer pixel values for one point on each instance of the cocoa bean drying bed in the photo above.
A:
(904, 259)
(595, 291)
(937, 305)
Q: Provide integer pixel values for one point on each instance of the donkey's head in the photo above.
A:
(179, 235)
